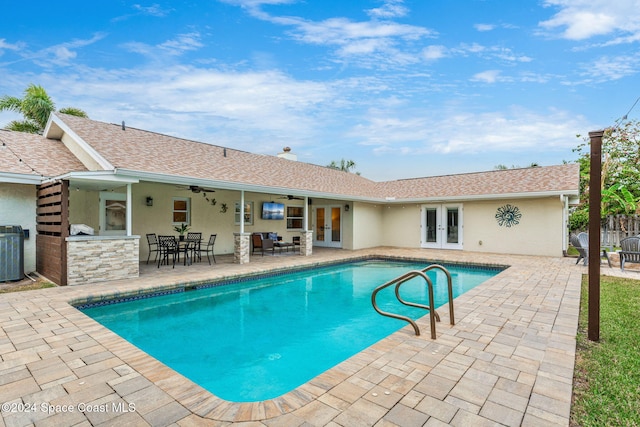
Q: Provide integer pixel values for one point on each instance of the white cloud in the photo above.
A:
(10, 46)
(460, 132)
(607, 68)
(379, 42)
(153, 10)
(433, 52)
(176, 46)
(490, 52)
(254, 111)
(60, 55)
(489, 76)
(484, 27)
(583, 19)
(339, 31)
(183, 43)
(390, 9)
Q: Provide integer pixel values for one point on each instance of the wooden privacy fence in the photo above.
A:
(618, 227)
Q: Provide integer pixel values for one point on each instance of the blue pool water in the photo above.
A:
(258, 339)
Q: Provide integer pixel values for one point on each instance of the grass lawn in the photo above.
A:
(24, 285)
(606, 383)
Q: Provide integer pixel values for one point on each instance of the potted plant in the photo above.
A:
(181, 229)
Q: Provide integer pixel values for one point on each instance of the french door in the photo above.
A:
(442, 226)
(327, 226)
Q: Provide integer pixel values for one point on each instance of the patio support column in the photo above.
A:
(241, 211)
(129, 211)
(306, 236)
(241, 248)
(241, 240)
(306, 242)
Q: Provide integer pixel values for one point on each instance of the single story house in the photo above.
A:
(124, 183)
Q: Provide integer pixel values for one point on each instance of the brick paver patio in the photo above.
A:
(508, 360)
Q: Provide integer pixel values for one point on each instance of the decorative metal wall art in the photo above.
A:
(508, 216)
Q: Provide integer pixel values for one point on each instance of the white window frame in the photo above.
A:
(248, 220)
(301, 218)
(187, 211)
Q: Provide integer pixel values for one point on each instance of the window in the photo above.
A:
(295, 217)
(181, 210)
(248, 213)
(113, 213)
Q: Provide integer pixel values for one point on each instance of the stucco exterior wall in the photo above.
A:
(205, 217)
(401, 225)
(539, 232)
(18, 207)
(366, 221)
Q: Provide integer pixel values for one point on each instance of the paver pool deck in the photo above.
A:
(508, 360)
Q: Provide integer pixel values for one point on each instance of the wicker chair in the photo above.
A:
(261, 244)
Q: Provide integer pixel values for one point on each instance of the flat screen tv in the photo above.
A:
(272, 210)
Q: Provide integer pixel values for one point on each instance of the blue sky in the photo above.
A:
(405, 88)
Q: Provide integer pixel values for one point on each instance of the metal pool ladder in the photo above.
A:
(433, 315)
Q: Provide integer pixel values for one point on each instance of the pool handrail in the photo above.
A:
(398, 281)
(450, 288)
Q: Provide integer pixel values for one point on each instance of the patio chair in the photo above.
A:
(630, 251)
(196, 238)
(208, 249)
(168, 248)
(260, 243)
(152, 240)
(581, 243)
(576, 242)
(296, 242)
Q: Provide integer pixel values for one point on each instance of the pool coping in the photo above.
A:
(350, 386)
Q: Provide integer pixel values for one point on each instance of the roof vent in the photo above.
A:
(123, 127)
(287, 154)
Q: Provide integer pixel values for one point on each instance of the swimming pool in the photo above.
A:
(258, 339)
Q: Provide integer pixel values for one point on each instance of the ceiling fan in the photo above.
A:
(290, 197)
(197, 189)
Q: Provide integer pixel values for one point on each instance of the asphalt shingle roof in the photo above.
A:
(150, 152)
(32, 154)
(509, 181)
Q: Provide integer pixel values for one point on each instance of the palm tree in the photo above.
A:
(36, 106)
(345, 165)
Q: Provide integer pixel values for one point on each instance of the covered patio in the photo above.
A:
(508, 360)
